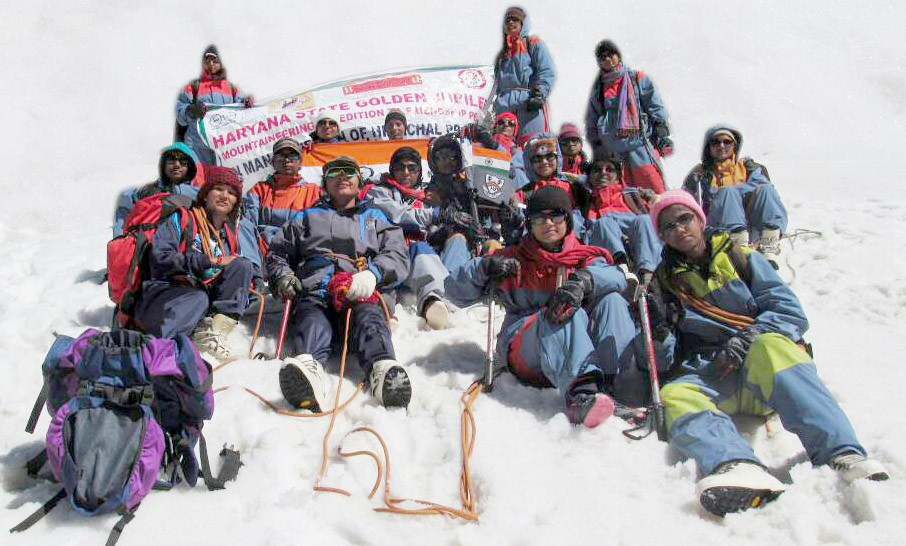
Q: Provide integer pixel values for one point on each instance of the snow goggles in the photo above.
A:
(341, 172)
(722, 142)
(682, 220)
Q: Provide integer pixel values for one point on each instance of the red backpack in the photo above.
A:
(128, 256)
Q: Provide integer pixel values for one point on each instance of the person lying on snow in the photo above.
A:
(576, 337)
(739, 350)
(737, 194)
(614, 212)
(271, 202)
(336, 256)
(179, 173)
(200, 276)
(456, 229)
(400, 195)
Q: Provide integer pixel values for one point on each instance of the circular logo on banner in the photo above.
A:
(473, 78)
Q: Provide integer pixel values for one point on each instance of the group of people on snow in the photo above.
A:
(566, 254)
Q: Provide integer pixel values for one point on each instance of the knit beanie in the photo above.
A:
(516, 12)
(675, 197)
(395, 113)
(548, 198)
(569, 130)
(222, 176)
(210, 50)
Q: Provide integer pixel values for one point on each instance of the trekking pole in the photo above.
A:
(657, 415)
(284, 321)
(487, 382)
(262, 304)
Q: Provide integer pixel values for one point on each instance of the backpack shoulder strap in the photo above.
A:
(40, 512)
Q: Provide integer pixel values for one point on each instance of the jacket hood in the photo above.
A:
(444, 141)
(709, 134)
(531, 148)
(193, 161)
(526, 22)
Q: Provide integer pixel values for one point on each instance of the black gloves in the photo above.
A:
(535, 100)
(196, 110)
(499, 267)
(480, 134)
(569, 297)
(287, 286)
(732, 355)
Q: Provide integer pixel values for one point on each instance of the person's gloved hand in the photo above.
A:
(483, 136)
(456, 217)
(569, 297)
(644, 277)
(499, 267)
(249, 101)
(665, 146)
(362, 285)
(197, 110)
(535, 100)
(731, 357)
(287, 286)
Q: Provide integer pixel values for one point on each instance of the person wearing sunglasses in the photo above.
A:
(339, 254)
(179, 173)
(566, 326)
(542, 167)
(739, 350)
(524, 72)
(616, 212)
(400, 194)
(326, 129)
(210, 90)
(575, 161)
(737, 193)
(271, 202)
(626, 119)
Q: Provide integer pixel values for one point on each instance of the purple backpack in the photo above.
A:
(126, 408)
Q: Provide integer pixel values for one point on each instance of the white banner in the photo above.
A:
(435, 100)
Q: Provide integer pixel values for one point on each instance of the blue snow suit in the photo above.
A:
(521, 66)
(130, 196)
(181, 292)
(751, 204)
(777, 373)
(212, 92)
(309, 247)
(595, 341)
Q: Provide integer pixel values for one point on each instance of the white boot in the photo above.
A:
(211, 338)
(736, 486)
(436, 314)
(853, 466)
(740, 238)
(389, 383)
(769, 245)
(304, 383)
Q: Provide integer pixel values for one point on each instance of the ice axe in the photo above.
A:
(656, 420)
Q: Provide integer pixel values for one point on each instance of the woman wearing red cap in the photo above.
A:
(199, 279)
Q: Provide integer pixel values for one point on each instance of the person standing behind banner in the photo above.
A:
(395, 124)
(212, 89)
(326, 129)
(626, 119)
(271, 202)
(525, 75)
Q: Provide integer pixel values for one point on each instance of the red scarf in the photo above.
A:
(538, 267)
(412, 193)
(605, 199)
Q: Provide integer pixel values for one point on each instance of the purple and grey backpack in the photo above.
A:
(127, 410)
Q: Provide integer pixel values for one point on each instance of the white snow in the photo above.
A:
(816, 87)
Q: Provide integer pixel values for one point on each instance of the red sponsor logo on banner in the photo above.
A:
(472, 78)
(383, 83)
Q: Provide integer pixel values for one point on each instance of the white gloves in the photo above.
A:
(362, 285)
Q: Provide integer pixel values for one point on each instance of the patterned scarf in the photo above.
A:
(628, 122)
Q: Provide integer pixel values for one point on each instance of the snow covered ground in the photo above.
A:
(816, 87)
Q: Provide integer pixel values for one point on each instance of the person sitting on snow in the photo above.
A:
(326, 129)
(457, 230)
(180, 173)
(736, 193)
(525, 73)
(330, 258)
(542, 160)
(740, 349)
(574, 160)
(212, 89)
(614, 212)
(271, 202)
(400, 196)
(395, 124)
(625, 118)
(575, 337)
(199, 279)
